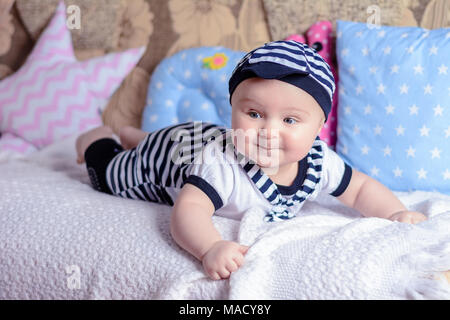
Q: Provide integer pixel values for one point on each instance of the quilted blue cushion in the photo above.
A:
(191, 85)
(394, 104)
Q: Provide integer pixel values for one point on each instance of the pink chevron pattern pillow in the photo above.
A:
(53, 95)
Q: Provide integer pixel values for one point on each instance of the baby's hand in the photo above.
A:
(408, 217)
(223, 258)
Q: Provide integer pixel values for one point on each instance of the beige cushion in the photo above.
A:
(286, 17)
(126, 105)
(99, 21)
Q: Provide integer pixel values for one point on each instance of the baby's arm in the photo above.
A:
(192, 228)
(372, 199)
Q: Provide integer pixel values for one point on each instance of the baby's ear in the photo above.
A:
(322, 123)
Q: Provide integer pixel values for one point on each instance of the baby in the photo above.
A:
(272, 158)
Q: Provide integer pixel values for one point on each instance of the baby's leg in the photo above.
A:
(130, 136)
(87, 138)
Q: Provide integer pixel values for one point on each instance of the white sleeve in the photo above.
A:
(336, 174)
(213, 175)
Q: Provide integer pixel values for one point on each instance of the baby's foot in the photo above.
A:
(85, 140)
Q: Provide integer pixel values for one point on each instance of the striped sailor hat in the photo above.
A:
(291, 62)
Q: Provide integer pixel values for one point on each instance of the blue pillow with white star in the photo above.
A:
(394, 104)
(191, 85)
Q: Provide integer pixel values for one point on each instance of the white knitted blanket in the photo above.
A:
(60, 239)
(326, 255)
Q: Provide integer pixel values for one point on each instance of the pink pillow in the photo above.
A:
(53, 95)
(319, 37)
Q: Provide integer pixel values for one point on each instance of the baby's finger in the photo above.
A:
(243, 249)
(213, 275)
(224, 273)
(419, 218)
(239, 259)
(232, 266)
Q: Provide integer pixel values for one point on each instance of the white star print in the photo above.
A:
(418, 69)
(404, 89)
(169, 103)
(394, 68)
(344, 52)
(377, 130)
(186, 103)
(351, 70)
(404, 35)
(447, 132)
(381, 88)
(159, 85)
(410, 49)
(390, 109)
(438, 110)
(344, 150)
(348, 110)
(435, 153)
(174, 120)
(359, 89)
(187, 74)
(205, 106)
(443, 69)
(359, 34)
(433, 50)
(422, 173)
(387, 151)
(413, 110)
(365, 150)
(400, 130)
(149, 101)
(446, 174)
(397, 172)
(381, 34)
(180, 87)
(153, 118)
(427, 89)
(365, 51)
(374, 171)
(373, 70)
(356, 130)
(411, 152)
(424, 131)
(368, 109)
(387, 50)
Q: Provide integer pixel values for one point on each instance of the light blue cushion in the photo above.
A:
(183, 88)
(394, 104)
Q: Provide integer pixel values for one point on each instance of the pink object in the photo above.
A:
(53, 95)
(319, 37)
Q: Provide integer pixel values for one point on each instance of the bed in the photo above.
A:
(61, 239)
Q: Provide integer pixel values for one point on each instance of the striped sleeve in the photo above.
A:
(336, 174)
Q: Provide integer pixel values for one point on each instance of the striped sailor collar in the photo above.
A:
(283, 207)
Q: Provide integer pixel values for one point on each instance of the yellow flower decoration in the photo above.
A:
(217, 61)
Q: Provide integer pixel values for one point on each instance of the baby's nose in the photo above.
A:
(269, 133)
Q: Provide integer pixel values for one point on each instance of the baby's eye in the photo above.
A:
(254, 115)
(290, 120)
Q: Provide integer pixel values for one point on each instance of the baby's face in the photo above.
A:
(275, 123)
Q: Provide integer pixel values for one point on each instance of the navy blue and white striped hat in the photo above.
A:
(292, 62)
